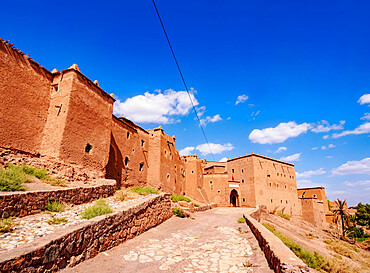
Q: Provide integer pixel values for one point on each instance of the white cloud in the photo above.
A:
(291, 158)
(325, 137)
(327, 147)
(329, 156)
(358, 183)
(366, 116)
(254, 114)
(314, 148)
(228, 118)
(279, 133)
(365, 99)
(307, 174)
(353, 167)
(281, 149)
(201, 110)
(362, 129)
(305, 183)
(215, 148)
(224, 159)
(156, 107)
(186, 151)
(241, 99)
(324, 126)
(208, 119)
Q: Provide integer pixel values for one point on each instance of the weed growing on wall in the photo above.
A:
(7, 225)
(177, 198)
(144, 191)
(179, 213)
(285, 216)
(125, 195)
(100, 207)
(55, 206)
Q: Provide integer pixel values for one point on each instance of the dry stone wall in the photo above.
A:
(279, 257)
(86, 240)
(21, 204)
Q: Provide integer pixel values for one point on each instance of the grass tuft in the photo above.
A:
(125, 195)
(54, 206)
(144, 191)
(241, 220)
(7, 225)
(285, 216)
(13, 177)
(315, 260)
(196, 205)
(100, 207)
(179, 213)
(177, 198)
(57, 220)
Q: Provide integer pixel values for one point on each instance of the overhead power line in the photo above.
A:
(183, 79)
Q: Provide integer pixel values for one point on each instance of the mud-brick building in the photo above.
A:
(247, 181)
(65, 116)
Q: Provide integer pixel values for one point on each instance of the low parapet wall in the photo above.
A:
(21, 204)
(279, 257)
(85, 240)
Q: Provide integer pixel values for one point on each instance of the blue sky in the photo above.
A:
(299, 69)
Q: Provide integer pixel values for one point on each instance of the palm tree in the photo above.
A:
(341, 214)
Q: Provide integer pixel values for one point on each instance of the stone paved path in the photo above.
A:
(211, 242)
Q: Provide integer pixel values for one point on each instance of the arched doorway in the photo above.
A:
(234, 198)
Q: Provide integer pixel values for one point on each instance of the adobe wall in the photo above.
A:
(275, 185)
(313, 211)
(89, 120)
(25, 89)
(194, 180)
(318, 192)
(166, 169)
(217, 189)
(128, 156)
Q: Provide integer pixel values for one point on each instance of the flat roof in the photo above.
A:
(261, 156)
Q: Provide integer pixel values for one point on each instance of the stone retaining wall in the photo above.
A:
(279, 257)
(85, 240)
(21, 204)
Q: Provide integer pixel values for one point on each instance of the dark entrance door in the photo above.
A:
(234, 198)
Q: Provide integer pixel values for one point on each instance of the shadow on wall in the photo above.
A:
(115, 163)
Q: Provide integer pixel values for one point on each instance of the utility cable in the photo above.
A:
(183, 79)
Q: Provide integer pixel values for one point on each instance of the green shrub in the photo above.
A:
(196, 205)
(54, 206)
(179, 213)
(177, 198)
(57, 220)
(13, 178)
(100, 207)
(241, 220)
(355, 232)
(144, 191)
(285, 216)
(7, 225)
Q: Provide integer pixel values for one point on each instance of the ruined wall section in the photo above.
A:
(276, 185)
(25, 89)
(128, 163)
(86, 136)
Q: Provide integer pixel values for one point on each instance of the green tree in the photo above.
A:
(340, 214)
(363, 214)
